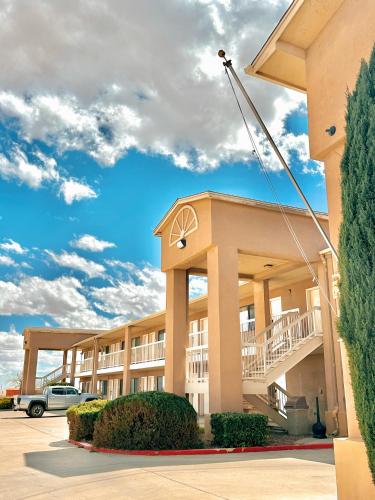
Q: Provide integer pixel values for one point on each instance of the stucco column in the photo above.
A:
(64, 363)
(31, 371)
(95, 358)
(26, 360)
(224, 342)
(261, 305)
(127, 361)
(72, 374)
(176, 322)
(332, 354)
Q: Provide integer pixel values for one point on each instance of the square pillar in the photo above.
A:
(224, 340)
(31, 371)
(72, 374)
(261, 305)
(94, 376)
(127, 360)
(176, 323)
(26, 360)
(64, 363)
(336, 414)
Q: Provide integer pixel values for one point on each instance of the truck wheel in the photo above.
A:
(36, 411)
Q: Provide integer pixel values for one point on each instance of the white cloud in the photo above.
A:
(41, 172)
(12, 246)
(20, 168)
(62, 299)
(5, 260)
(78, 263)
(72, 190)
(141, 292)
(11, 357)
(105, 97)
(91, 243)
(197, 286)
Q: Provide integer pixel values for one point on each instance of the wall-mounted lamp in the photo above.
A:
(181, 243)
(331, 130)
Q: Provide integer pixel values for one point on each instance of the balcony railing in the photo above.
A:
(197, 357)
(86, 365)
(198, 339)
(154, 351)
(111, 360)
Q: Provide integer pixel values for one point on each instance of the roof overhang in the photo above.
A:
(229, 199)
(282, 59)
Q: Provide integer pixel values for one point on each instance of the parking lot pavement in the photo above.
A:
(37, 462)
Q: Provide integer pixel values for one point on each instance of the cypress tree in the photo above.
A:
(357, 250)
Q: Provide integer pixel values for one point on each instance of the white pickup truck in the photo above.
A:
(54, 397)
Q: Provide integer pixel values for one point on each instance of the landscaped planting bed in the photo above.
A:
(147, 421)
(231, 430)
(6, 403)
(81, 419)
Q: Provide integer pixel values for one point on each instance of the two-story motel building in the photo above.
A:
(262, 333)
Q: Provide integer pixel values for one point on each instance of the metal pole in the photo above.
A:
(228, 64)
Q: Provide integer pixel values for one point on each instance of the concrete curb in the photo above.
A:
(204, 451)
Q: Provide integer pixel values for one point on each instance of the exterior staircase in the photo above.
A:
(55, 376)
(271, 353)
(272, 404)
(278, 348)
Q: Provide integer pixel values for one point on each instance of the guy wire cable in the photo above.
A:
(278, 202)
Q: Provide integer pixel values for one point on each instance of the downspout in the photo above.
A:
(333, 355)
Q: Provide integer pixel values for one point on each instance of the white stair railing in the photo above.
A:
(54, 376)
(277, 342)
(277, 398)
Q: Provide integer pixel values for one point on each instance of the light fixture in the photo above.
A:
(181, 243)
(331, 130)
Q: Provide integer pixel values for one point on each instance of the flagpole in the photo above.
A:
(228, 64)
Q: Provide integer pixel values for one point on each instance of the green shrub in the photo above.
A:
(147, 421)
(231, 430)
(81, 419)
(356, 251)
(6, 403)
(63, 384)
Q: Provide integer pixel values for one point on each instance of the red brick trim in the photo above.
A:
(205, 451)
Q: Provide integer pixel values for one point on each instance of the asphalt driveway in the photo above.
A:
(37, 462)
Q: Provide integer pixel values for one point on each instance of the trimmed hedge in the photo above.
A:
(6, 403)
(147, 421)
(232, 430)
(81, 419)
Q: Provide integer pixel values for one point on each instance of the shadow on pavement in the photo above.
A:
(70, 461)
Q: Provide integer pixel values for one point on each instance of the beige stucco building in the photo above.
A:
(262, 334)
(317, 48)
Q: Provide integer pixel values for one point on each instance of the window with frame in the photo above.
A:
(104, 387)
(136, 341)
(58, 391)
